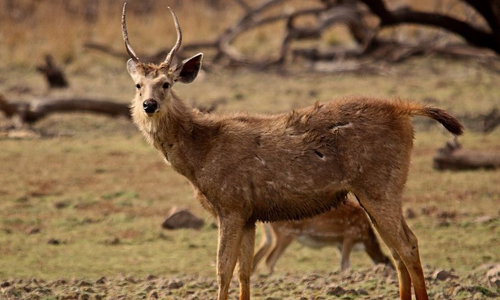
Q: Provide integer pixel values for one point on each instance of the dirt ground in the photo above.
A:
(372, 283)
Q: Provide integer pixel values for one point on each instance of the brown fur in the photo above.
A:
(246, 168)
(343, 227)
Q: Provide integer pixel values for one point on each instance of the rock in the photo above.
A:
(484, 219)
(61, 204)
(172, 285)
(442, 275)
(101, 280)
(153, 295)
(182, 219)
(362, 292)
(485, 267)
(82, 283)
(84, 297)
(34, 230)
(151, 277)
(380, 269)
(494, 282)
(54, 242)
(114, 241)
(493, 276)
(4, 284)
(335, 290)
(447, 215)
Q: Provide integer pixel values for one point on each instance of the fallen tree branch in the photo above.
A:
(453, 157)
(31, 112)
(38, 109)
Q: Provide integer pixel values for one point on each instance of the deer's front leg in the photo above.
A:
(245, 260)
(347, 246)
(230, 235)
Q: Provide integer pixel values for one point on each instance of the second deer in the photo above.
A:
(343, 227)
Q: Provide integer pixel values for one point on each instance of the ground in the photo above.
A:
(81, 207)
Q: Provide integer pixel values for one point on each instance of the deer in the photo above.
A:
(246, 168)
(343, 227)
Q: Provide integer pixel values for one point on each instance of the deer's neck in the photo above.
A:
(173, 135)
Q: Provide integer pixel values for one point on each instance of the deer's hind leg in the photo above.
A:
(387, 217)
(283, 240)
(265, 246)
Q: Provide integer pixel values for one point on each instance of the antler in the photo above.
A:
(130, 51)
(177, 45)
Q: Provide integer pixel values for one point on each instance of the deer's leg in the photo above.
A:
(372, 248)
(347, 246)
(282, 242)
(404, 278)
(412, 261)
(386, 214)
(245, 260)
(267, 242)
(230, 235)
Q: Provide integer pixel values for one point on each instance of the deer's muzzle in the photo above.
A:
(150, 106)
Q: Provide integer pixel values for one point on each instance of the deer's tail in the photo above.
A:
(449, 122)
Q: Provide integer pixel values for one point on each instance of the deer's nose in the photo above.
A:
(150, 106)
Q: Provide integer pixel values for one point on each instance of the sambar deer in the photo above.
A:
(248, 168)
(343, 227)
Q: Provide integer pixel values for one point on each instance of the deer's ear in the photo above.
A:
(131, 67)
(188, 69)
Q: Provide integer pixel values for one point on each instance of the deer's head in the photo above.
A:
(154, 82)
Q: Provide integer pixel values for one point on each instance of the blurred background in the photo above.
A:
(83, 197)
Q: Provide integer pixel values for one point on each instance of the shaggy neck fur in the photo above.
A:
(172, 133)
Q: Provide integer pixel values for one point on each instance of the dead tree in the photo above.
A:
(473, 34)
(352, 14)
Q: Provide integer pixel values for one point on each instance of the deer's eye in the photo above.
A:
(138, 86)
(166, 85)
